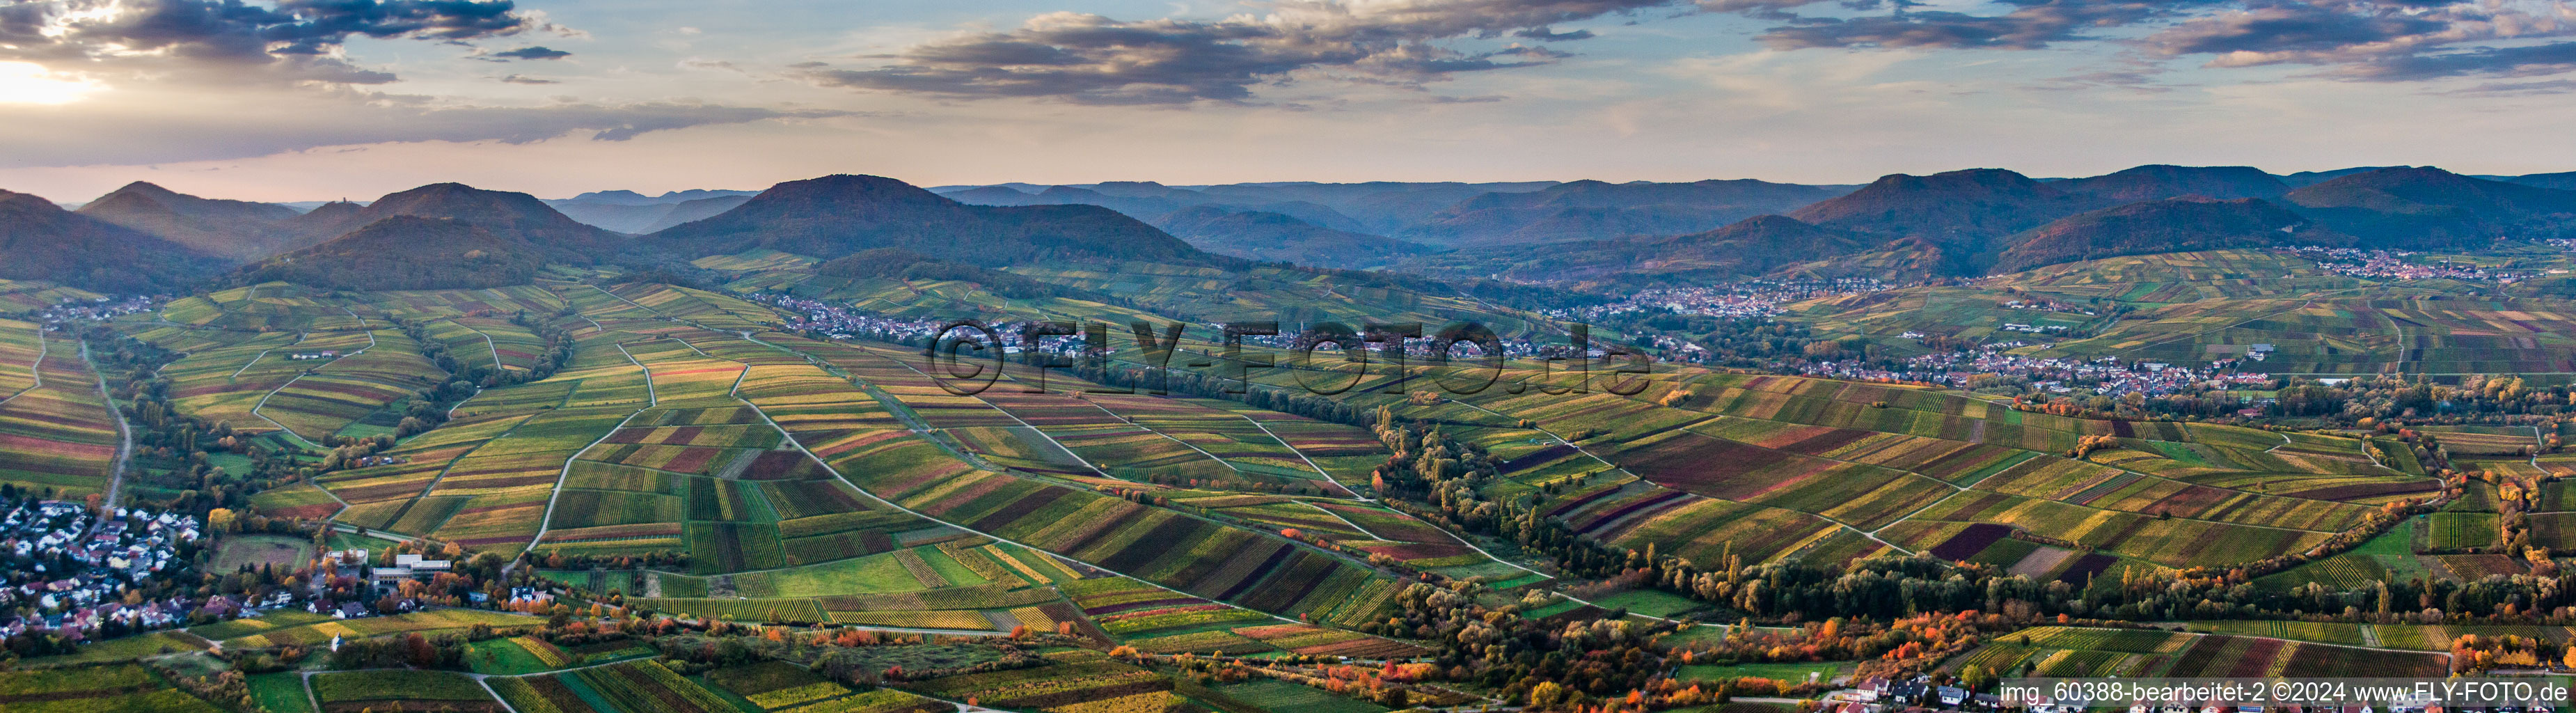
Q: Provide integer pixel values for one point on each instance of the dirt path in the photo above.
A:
(37, 367)
(124, 434)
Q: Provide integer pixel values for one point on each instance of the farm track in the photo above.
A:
(263, 399)
(2195, 336)
(124, 433)
(651, 400)
(1221, 523)
(836, 474)
(487, 344)
(43, 346)
(1310, 462)
(1873, 537)
(483, 679)
(469, 452)
(1956, 489)
(1148, 429)
(913, 420)
(1471, 544)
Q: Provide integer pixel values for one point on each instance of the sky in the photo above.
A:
(288, 100)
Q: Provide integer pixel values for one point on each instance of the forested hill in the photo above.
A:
(837, 215)
(41, 241)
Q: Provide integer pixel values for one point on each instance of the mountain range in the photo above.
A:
(1907, 227)
(636, 213)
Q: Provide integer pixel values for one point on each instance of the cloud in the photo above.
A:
(1091, 59)
(245, 125)
(520, 79)
(2278, 33)
(533, 52)
(2523, 61)
(293, 40)
(2405, 40)
(1543, 34)
(2032, 26)
(2552, 86)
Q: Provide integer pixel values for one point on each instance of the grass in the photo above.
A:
(1285, 696)
(222, 630)
(397, 685)
(873, 574)
(2462, 530)
(280, 692)
(1784, 672)
(502, 656)
(124, 649)
(280, 551)
(425, 622)
(1740, 707)
(1648, 602)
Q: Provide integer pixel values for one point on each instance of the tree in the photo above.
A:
(221, 520)
(1546, 695)
(1975, 678)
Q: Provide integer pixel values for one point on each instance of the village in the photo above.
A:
(2394, 265)
(1751, 298)
(842, 323)
(69, 568)
(2108, 376)
(93, 309)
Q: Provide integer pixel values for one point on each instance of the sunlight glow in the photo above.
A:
(30, 83)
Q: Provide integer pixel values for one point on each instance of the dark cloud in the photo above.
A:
(293, 39)
(1543, 34)
(2143, 81)
(533, 53)
(520, 79)
(2381, 41)
(2362, 40)
(1092, 59)
(2291, 28)
(2523, 61)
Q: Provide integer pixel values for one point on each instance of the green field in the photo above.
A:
(1785, 672)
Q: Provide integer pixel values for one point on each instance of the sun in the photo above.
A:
(30, 83)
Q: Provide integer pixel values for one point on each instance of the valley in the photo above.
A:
(1957, 426)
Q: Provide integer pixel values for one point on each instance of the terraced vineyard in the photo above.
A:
(692, 461)
(58, 433)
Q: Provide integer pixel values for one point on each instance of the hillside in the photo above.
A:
(1593, 209)
(45, 242)
(1952, 219)
(1278, 237)
(1149, 201)
(1958, 208)
(2159, 182)
(2424, 207)
(629, 212)
(2175, 225)
(837, 215)
(405, 252)
(238, 230)
(513, 216)
(693, 210)
(1747, 248)
(2565, 181)
(905, 265)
